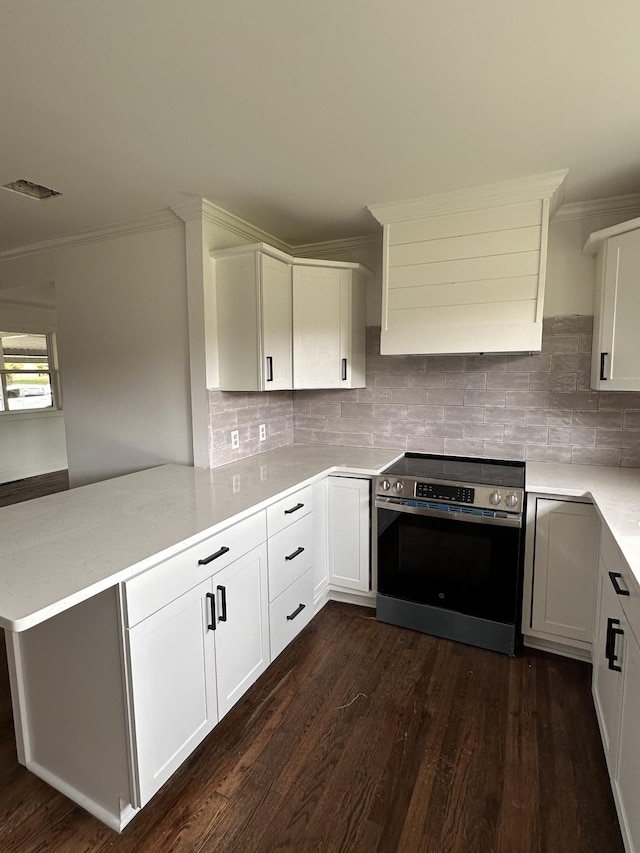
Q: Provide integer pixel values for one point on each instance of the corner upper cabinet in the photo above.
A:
(464, 271)
(254, 318)
(615, 363)
(329, 325)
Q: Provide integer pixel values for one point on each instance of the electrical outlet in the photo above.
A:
(235, 439)
(236, 483)
(263, 473)
(262, 431)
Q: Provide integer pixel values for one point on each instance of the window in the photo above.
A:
(28, 371)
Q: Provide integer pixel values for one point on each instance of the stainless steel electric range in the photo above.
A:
(448, 546)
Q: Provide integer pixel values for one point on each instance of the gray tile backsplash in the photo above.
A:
(536, 407)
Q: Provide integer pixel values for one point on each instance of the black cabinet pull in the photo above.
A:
(212, 602)
(610, 645)
(344, 368)
(223, 603)
(293, 509)
(614, 580)
(223, 550)
(295, 554)
(603, 356)
(298, 610)
(269, 368)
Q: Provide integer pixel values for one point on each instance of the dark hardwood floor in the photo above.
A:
(33, 487)
(364, 737)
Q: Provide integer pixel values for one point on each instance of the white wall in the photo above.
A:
(123, 342)
(31, 443)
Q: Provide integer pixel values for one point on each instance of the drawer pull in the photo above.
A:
(610, 645)
(614, 580)
(210, 559)
(295, 554)
(223, 603)
(212, 602)
(293, 509)
(298, 610)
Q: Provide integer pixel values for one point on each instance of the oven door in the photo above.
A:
(459, 561)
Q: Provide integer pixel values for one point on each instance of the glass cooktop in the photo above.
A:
(490, 472)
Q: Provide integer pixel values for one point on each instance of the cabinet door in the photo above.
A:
(628, 774)
(617, 357)
(349, 510)
(317, 330)
(242, 626)
(566, 551)
(277, 322)
(172, 671)
(607, 682)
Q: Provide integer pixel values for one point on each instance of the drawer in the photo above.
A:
(286, 561)
(161, 584)
(615, 562)
(284, 512)
(290, 612)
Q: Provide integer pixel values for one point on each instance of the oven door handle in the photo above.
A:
(398, 505)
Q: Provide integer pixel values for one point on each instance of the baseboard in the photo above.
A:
(557, 648)
(114, 821)
(363, 599)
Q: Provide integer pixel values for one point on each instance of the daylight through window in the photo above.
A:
(27, 371)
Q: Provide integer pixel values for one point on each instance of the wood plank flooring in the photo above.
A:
(33, 487)
(364, 737)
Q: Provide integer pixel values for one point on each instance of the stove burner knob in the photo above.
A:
(511, 500)
(398, 487)
(495, 498)
(385, 485)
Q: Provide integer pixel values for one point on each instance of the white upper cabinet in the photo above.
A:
(329, 326)
(254, 308)
(286, 322)
(464, 271)
(616, 345)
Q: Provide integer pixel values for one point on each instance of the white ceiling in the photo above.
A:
(296, 115)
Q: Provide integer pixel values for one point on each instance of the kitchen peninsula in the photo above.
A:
(84, 575)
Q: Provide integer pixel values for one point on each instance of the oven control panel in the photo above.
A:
(440, 492)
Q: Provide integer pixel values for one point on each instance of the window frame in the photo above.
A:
(53, 373)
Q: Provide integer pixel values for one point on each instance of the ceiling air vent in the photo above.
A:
(30, 189)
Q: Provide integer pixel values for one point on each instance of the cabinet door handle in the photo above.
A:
(344, 369)
(610, 645)
(295, 554)
(223, 603)
(603, 356)
(212, 604)
(614, 580)
(293, 509)
(269, 368)
(298, 610)
(212, 557)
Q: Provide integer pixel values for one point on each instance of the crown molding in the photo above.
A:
(549, 185)
(627, 204)
(204, 210)
(150, 222)
(598, 237)
(330, 248)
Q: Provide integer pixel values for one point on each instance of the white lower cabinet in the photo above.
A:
(616, 686)
(173, 687)
(191, 661)
(291, 612)
(560, 574)
(349, 533)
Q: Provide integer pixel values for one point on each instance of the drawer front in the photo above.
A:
(290, 509)
(161, 584)
(290, 612)
(287, 562)
(624, 579)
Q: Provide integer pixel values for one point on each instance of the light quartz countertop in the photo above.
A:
(62, 549)
(615, 493)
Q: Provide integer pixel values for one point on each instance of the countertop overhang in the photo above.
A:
(62, 549)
